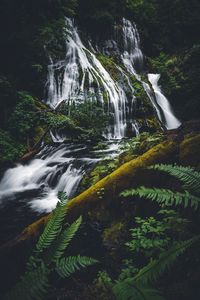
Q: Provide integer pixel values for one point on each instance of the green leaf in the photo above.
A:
(130, 290)
(69, 265)
(189, 176)
(32, 285)
(164, 196)
(54, 225)
(156, 268)
(64, 239)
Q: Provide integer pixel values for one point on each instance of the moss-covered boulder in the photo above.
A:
(189, 151)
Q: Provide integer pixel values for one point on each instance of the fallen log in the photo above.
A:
(124, 177)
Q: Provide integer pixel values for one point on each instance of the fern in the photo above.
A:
(63, 240)
(129, 290)
(137, 287)
(156, 268)
(33, 285)
(53, 226)
(164, 196)
(69, 265)
(187, 175)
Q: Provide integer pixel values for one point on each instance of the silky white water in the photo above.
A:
(54, 169)
(84, 78)
(166, 116)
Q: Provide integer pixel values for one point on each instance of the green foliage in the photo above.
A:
(129, 270)
(90, 117)
(109, 64)
(65, 238)
(63, 123)
(142, 143)
(10, 150)
(48, 257)
(24, 118)
(129, 290)
(103, 286)
(165, 197)
(32, 285)
(139, 286)
(149, 237)
(187, 175)
(156, 268)
(160, 240)
(69, 265)
(103, 168)
(53, 227)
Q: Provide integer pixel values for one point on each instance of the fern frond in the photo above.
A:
(187, 175)
(53, 227)
(63, 240)
(129, 290)
(69, 265)
(33, 285)
(164, 196)
(156, 268)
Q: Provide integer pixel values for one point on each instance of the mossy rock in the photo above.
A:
(109, 65)
(39, 132)
(153, 124)
(126, 157)
(114, 236)
(102, 169)
(189, 151)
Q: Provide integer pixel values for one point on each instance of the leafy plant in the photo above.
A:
(48, 257)
(25, 117)
(141, 143)
(157, 267)
(10, 150)
(190, 197)
(139, 287)
(149, 236)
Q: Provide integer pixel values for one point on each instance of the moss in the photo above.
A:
(153, 124)
(102, 169)
(150, 124)
(189, 151)
(10, 149)
(109, 64)
(39, 132)
(114, 236)
(126, 157)
(142, 143)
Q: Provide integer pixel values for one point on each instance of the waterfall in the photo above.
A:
(80, 77)
(166, 114)
(84, 78)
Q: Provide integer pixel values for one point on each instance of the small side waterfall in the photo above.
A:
(165, 114)
(132, 56)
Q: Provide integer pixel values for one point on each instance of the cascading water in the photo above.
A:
(166, 114)
(132, 56)
(82, 77)
(54, 169)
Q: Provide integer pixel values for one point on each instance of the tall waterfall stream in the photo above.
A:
(30, 189)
